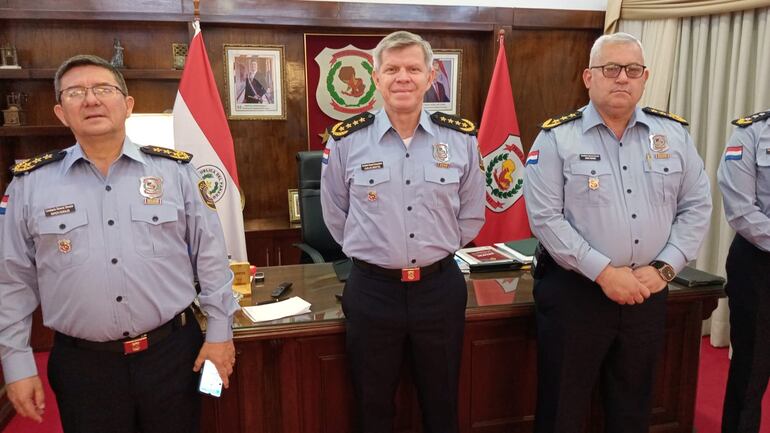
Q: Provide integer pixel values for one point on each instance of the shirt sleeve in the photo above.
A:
(208, 253)
(18, 287)
(693, 212)
(544, 198)
(737, 180)
(472, 189)
(335, 196)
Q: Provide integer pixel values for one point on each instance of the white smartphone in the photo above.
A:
(210, 382)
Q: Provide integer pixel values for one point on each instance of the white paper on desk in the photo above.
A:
(277, 310)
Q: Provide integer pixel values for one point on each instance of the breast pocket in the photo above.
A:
(590, 183)
(368, 187)
(664, 177)
(63, 240)
(154, 229)
(443, 185)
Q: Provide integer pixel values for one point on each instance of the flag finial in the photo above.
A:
(501, 35)
(197, 10)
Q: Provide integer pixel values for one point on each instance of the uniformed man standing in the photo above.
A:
(744, 178)
(618, 197)
(109, 237)
(402, 191)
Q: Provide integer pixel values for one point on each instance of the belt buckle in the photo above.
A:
(138, 344)
(409, 275)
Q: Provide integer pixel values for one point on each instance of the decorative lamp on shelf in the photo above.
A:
(8, 57)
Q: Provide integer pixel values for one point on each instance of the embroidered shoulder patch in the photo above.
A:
(561, 120)
(352, 124)
(176, 155)
(748, 120)
(666, 114)
(203, 188)
(454, 122)
(36, 162)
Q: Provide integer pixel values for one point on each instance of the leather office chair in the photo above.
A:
(317, 242)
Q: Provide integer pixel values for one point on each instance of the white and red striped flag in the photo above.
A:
(200, 127)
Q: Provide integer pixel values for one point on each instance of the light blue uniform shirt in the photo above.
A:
(110, 244)
(745, 183)
(411, 211)
(594, 200)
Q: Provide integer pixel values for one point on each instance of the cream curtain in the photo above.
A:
(657, 9)
(709, 69)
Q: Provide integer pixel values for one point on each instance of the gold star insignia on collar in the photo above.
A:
(560, 120)
(454, 122)
(176, 155)
(347, 126)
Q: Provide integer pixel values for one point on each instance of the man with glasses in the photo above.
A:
(619, 200)
(109, 237)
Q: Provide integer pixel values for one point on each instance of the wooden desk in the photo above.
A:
(291, 374)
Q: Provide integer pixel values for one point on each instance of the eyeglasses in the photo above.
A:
(78, 93)
(612, 70)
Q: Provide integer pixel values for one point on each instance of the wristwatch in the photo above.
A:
(665, 270)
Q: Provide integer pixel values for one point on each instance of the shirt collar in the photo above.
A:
(382, 123)
(592, 118)
(130, 149)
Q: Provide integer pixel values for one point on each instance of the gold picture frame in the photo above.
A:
(294, 216)
(255, 82)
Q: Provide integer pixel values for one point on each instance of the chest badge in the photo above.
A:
(658, 143)
(372, 196)
(441, 153)
(593, 183)
(65, 246)
(151, 189)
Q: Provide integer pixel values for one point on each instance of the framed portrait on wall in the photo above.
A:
(255, 82)
(444, 93)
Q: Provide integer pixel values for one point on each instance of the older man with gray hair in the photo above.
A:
(402, 191)
(619, 200)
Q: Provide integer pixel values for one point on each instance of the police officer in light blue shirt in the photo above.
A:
(619, 200)
(109, 238)
(744, 179)
(401, 191)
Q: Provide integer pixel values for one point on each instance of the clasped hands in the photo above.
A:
(628, 286)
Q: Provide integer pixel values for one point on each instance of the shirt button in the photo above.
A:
(625, 167)
(636, 241)
(407, 155)
(666, 169)
(633, 215)
(108, 188)
(593, 171)
(371, 181)
(125, 334)
(110, 223)
(414, 261)
(119, 298)
(114, 261)
(411, 235)
(442, 180)
(621, 144)
(633, 265)
(408, 182)
(409, 208)
(628, 190)
(62, 226)
(154, 219)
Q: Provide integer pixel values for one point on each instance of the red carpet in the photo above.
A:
(712, 377)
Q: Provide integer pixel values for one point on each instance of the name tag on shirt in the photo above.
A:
(60, 210)
(371, 165)
(590, 157)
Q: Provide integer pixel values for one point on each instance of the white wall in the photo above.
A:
(594, 5)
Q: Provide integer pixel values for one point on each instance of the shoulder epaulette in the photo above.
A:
(561, 120)
(748, 120)
(36, 162)
(176, 155)
(666, 114)
(454, 122)
(352, 124)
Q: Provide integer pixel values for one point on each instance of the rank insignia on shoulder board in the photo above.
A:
(748, 120)
(666, 114)
(36, 162)
(454, 122)
(176, 155)
(560, 120)
(352, 124)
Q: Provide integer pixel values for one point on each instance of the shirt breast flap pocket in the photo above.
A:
(665, 176)
(64, 240)
(154, 230)
(763, 158)
(442, 184)
(369, 185)
(591, 183)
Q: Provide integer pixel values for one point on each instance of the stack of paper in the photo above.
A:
(277, 310)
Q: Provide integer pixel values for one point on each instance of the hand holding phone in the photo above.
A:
(210, 382)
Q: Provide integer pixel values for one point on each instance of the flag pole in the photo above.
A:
(196, 10)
